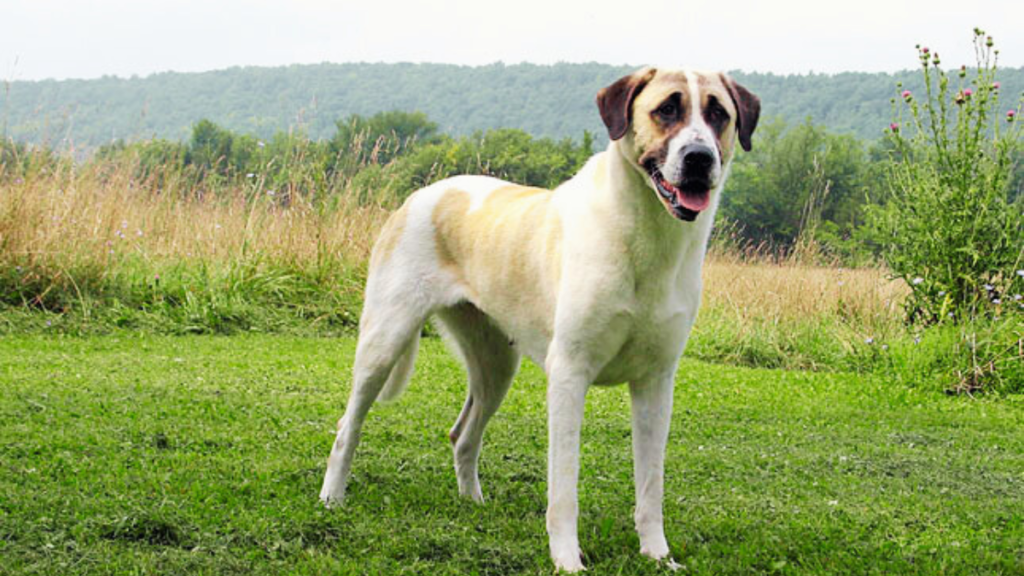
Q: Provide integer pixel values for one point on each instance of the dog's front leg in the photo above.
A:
(652, 413)
(566, 393)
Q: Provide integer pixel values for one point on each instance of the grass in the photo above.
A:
(97, 248)
(137, 453)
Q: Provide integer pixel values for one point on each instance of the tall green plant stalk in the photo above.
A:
(950, 228)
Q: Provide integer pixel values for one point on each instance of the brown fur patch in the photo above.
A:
(508, 248)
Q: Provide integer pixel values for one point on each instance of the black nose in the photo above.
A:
(698, 159)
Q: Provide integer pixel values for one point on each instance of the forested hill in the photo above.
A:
(555, 100)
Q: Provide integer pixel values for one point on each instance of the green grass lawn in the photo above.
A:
(204, 455)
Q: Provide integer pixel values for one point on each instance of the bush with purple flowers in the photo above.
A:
(951, 227)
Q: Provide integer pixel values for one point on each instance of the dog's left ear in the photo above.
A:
(615, 102)
(748, 107)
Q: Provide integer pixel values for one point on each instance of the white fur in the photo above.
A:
(625, 301)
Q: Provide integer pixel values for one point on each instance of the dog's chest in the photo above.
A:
(655, 328)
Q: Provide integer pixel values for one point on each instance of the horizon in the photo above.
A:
(484, 65)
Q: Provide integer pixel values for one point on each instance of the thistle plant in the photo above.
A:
(951, 227)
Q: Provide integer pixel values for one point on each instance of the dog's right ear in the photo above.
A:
(615, 102)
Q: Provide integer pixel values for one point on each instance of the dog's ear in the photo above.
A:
(615, 102)
(748, 108)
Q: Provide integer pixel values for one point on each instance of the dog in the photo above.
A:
(598, 281)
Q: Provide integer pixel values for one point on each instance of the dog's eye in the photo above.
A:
(716, 111)
(669, 109)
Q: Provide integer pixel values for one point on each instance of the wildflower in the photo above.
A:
(988, 287)
(935, 59)
(907, 95)
(968, 92)
(18, 269)
(250, 175)
(1020, 273)
(271, 192)
(917, 281)
(963, 71)
(894, 127)
(260, 144)
(885, 346)
(869, 340)
(124, 223)
(833, 502)
(989, 42)
(138, 233)
(1010, 114)
(996, 85)
(997, 301)
(917, 340)
(1017, 297)
(156, 278)
(924, 50)
(942, 293)
(48, 323)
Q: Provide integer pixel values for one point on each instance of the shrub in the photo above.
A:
(951, 228)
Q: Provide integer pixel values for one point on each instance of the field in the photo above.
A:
(203, 455)
(175, 346)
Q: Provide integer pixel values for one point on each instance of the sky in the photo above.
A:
(91, 38)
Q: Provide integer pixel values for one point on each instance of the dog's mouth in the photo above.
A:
(687, 200)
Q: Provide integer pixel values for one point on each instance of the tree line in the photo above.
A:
(553, 101)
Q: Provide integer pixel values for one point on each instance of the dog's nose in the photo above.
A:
(698, 158)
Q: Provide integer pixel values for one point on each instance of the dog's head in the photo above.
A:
(679, 128)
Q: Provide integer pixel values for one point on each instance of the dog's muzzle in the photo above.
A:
(692, 194)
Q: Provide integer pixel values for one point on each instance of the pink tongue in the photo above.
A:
(695, 202)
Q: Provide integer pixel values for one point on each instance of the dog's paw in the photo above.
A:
(569, 560)
(653, 544)
(331, 498)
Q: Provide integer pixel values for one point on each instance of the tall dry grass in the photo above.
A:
(89, 238)
(74, 217)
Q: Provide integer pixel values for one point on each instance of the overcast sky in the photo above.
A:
(90, 38)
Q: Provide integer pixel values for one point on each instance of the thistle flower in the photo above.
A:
(1009, 118)
(968, 92)
(996, 85)
(907, 95)
(894, 127)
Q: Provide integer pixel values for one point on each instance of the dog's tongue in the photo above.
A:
(694, 200)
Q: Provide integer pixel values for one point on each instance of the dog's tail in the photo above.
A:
(400, 375)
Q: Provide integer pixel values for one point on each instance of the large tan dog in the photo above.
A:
(598, 281)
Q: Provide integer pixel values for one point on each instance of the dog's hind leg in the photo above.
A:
(385, 353)
(491, 362)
